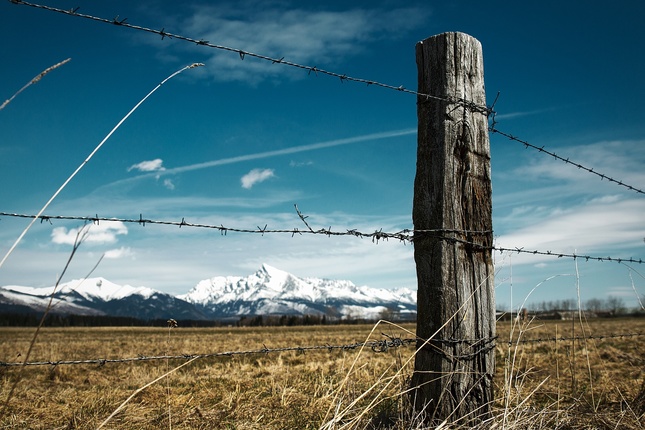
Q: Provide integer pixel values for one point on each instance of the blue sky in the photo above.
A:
(239, 142)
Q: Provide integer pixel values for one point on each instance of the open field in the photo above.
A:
(566, 384)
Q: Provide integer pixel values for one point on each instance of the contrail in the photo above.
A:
(277, 152)
(292, 150)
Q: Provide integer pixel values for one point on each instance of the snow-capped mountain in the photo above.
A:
(269, 291)
(98, 296)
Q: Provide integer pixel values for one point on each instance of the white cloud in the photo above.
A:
(304, 36)
(105, 232)
(256, 176)
(620, 160)
(155, 165)
(123, 252)
(169, 184)
(599, 227)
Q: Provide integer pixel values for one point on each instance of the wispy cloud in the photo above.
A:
(599, 227)
(148, 166)
(519, 114)
(294, 163)
(117, 253)
(268, 154)
(542, 182)
(105, 232)
(324, 37)
(256, 176)
(567, 210)
(168, 184)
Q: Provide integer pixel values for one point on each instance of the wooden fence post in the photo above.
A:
(454, 365)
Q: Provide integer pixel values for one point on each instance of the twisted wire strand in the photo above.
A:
(378, 346)
(405, 235)
(375, 346)
(243, 54)
(472, 106)
(541, 149)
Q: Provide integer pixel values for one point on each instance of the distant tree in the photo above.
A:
(616, 305)
(332, 313)
(389, 314)
(568, 304)
(595, 305)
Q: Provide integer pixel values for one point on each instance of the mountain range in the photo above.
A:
(268, 291)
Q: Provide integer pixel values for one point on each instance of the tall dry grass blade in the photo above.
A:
(329, 424)
(80, 237)
(584, 337)
(138, 390)
(89, 158)
(631, 278)
(171, 324)
(33, 81)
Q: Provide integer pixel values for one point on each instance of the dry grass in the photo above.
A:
(568, 385)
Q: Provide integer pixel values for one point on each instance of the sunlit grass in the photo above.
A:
(542, 388)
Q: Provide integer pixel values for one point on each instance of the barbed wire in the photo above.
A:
(541, 149)
(486, 110)
(565, 255)
(405, 235)
(377, 346)
(243, 53)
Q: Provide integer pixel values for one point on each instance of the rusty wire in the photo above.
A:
(474, 107)
(541, 149)
(377, 346)
(405, 235)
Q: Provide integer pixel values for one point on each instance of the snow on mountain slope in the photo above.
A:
(273, 291)
(90, 289)
(269, 291)
(40, 303)
(98, 296)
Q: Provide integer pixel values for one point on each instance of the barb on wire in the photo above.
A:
(541, 149)
(468, 104)
(375, 345)
(405, 235)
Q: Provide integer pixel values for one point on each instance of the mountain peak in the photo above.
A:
(274, 291)
(272, 271)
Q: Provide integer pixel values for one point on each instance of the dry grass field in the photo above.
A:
(593, 383)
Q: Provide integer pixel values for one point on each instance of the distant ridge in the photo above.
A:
(268, 291)
(271, 291)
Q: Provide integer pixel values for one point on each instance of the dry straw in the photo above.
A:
(33, 81)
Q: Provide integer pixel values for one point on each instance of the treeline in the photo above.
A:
(298, 320)
(57, 320)
(612, 304)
